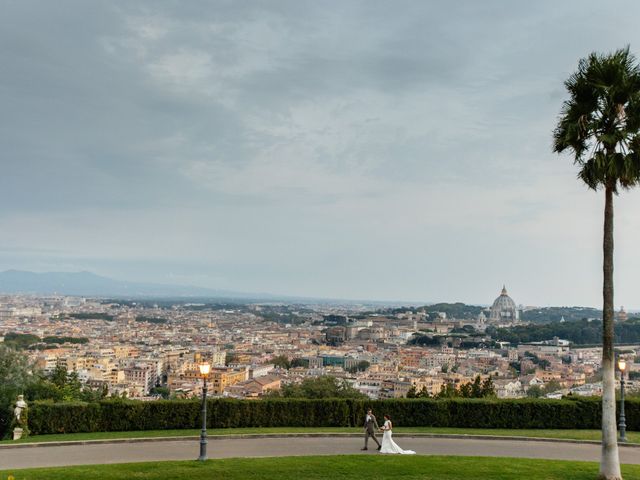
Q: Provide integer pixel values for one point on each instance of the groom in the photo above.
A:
(370, 427)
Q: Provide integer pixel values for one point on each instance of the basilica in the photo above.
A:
(504, 309)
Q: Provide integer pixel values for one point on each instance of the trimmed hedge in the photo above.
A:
(126, 415)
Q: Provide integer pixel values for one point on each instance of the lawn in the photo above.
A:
(633, 437)
(343, 467)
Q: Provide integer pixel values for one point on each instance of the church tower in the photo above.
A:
(622, 315)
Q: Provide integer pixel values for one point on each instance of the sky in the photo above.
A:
(396, 150)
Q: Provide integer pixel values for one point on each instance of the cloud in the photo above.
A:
(360, 149)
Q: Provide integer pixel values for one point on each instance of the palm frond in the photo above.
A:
(600, 121)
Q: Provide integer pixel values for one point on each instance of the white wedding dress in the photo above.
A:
(388, 445)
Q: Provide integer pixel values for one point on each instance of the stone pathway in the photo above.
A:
(221, 447)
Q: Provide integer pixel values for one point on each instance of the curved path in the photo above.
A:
(224, 447)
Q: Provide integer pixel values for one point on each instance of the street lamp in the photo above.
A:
(622, 425)
(204, 371)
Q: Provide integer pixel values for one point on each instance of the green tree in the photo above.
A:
(42, 389)
(66, 386)
(90, 395)
(300, 362)
(321, 387)
(544, 364)
(551, 386)
(412, 393)
(281, 361)
(488, 388)
(476, 388)
(230, 357)
(20, 341)
(535, 391)
(73, 388)
(16, 377)
(599, 125)
(465, 390)
(162, 391)
(363, 365)
(423, 393)
(449, 391)
(58, 376)
(360, 367)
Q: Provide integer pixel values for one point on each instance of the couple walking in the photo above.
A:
(388, 445)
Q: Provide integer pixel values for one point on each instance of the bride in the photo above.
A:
(388, 445)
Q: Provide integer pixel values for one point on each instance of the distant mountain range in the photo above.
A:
(89, 284)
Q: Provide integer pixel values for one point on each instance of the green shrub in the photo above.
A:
(49, 417)
(126, 415)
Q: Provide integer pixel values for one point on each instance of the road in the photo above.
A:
(220, 447)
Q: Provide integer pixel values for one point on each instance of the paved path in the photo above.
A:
(220, 447)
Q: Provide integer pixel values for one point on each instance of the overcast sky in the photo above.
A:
(396, 150)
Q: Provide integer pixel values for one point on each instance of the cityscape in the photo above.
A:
(319, 240)
(147, 351)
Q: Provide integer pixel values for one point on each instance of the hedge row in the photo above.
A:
(48, 417)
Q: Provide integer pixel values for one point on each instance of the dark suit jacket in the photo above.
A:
(372, 425)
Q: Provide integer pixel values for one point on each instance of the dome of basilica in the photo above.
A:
(504, 308)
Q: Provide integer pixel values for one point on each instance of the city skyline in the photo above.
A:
(88, 285)
(360, 151)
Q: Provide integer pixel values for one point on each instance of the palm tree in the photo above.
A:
(599, 125)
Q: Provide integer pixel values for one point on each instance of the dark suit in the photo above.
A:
(370, 427)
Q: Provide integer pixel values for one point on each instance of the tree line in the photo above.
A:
(19, 377)
(579, 332)
(23, 341)
(475, 389)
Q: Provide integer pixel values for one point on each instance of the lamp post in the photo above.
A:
(622, 426)
(204, 371)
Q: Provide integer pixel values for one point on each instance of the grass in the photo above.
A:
(633, 437)
(343, 467)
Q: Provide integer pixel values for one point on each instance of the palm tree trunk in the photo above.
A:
(610, 461)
